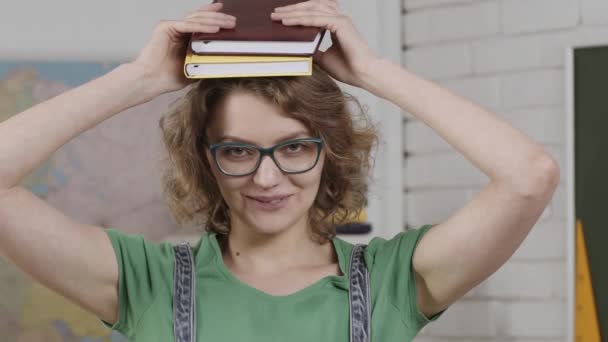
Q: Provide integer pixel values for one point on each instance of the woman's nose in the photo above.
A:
(268, 173)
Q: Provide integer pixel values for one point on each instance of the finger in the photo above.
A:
(214, 6)
(309, 5)
(213, 22)
(284, 16)
(187, 27)
(208, 14)
(211, 16)
(331, 3)
(330, 22)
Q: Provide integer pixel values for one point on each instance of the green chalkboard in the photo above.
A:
(591, 166)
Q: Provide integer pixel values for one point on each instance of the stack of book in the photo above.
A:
(257, 46)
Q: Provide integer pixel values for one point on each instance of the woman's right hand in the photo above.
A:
(162, 59)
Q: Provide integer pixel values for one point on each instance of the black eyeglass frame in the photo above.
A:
(266, 152)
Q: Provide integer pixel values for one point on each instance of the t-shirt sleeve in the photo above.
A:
(144, 269)
(392, 274)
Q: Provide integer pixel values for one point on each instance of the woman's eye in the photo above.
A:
(236, 151)
(295, 147)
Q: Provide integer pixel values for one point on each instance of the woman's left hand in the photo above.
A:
(349, 58)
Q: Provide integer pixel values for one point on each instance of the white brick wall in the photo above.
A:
(518, 16)
(594, 11)
(441, 24)
(508, 55)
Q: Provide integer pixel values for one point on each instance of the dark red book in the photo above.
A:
(256, 33)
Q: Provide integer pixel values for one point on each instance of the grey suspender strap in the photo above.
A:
(359, 297)
(184, 323)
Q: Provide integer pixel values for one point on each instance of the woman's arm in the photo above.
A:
(503, 153)
(73, 259)
(29, 138)
(461, 252)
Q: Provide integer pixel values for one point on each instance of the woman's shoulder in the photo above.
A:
(377, 243)
(405, 239)
(140, 250)
(136, 242)
(382, 249)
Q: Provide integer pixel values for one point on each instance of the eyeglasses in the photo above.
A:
(292, 156)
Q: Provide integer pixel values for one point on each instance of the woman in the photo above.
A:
(270, 267)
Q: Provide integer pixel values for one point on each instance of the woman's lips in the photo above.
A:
(269, 202)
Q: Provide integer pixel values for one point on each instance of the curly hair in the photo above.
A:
(190, 189)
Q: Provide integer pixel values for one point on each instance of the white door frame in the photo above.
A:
(570, 218)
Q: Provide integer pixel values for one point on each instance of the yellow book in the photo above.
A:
(213, 66)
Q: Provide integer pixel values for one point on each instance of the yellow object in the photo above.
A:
(232, 65)
(586, 323)
(362, 217)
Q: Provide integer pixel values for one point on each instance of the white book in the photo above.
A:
(255, 47)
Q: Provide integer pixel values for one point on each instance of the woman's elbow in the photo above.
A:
(544, 177)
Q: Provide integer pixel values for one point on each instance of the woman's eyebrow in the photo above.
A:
(276, 141)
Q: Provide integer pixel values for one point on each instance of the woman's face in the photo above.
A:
(244, 117)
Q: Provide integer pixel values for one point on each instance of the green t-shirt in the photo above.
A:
(230, 310)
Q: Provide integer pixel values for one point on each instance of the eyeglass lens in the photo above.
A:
(293, 157)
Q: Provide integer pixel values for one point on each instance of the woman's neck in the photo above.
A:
(271, 254)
